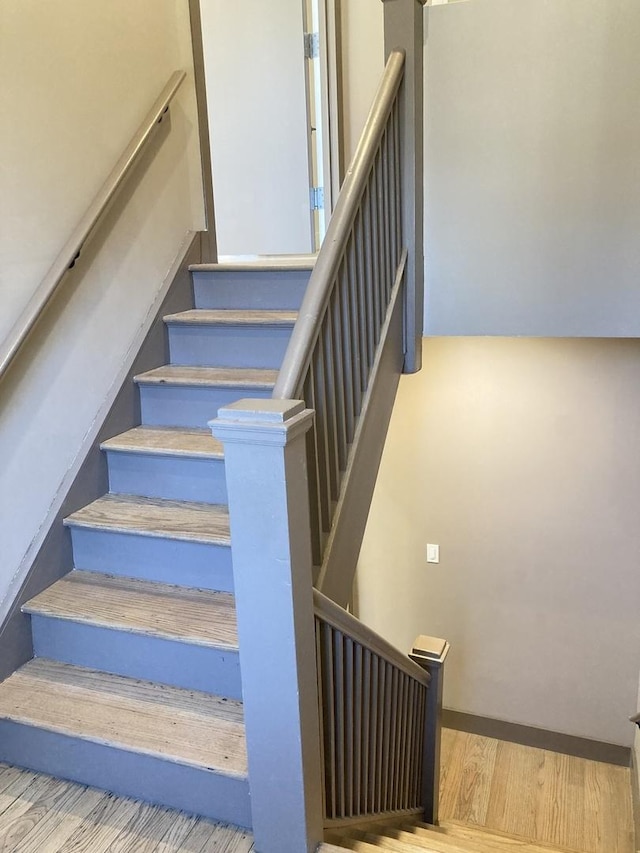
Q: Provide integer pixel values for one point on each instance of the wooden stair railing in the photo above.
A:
(346, 352)
(379, 718)
(330, 739)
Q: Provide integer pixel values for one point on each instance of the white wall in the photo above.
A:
(77, 79)
(257, 115)
(519, 457)
(254, 63)
(532, 182)
(363, 64)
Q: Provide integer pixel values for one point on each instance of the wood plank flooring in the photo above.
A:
(552, 798)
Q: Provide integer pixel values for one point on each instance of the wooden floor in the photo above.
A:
(573, 803)
(549, 797)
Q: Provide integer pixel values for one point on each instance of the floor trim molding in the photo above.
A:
(635, 793)
(609, 753)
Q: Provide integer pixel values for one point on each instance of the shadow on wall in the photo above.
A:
(519, 457)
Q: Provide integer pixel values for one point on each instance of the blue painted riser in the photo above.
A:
(265, 290)
(190, 406)
(136, 655)
(228, 346)
(180, 478)
(199, 564)
(129, 774)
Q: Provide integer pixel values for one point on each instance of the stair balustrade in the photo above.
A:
(380, 738)
(341, 727)
(348, 340)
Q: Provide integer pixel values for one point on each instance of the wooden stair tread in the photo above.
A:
(185, 520)
(370, 843)
(352, 844)
(200, 617)
(234, 377)
(408, 843)
(500, 841)
(265, 262)
(437, 842)
(167, 441)
(181, 726)
(447, 838)
(327, 847)
(232, 317)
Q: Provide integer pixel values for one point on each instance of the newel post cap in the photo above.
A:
(276, 422)
(429, 651)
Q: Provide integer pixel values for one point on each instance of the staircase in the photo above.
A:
(450, 837)
(135, 686)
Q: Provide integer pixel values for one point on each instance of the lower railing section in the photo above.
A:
(373, 704)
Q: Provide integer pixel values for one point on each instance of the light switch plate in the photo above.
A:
(433, 553)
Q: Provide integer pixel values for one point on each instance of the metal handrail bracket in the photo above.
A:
(70, 252)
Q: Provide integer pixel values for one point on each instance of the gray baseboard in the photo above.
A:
(635, 796)
(54, 558)
(609, 753)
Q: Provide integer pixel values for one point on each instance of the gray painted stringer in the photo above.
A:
(55, 557)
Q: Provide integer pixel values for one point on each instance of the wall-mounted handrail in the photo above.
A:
(47, 288)
(318, 293)
(328, 611)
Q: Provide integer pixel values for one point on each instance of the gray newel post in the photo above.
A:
(404, 28)
(430, 653)
(265, 460)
